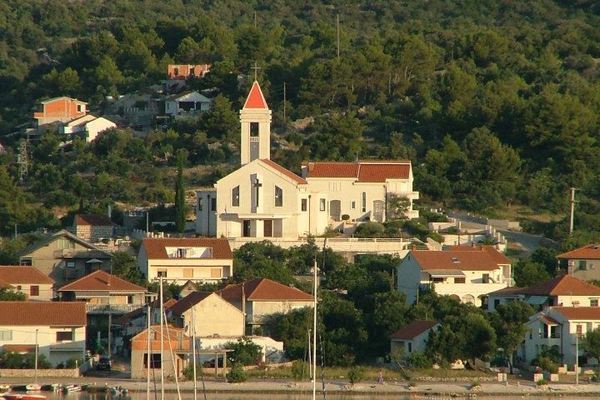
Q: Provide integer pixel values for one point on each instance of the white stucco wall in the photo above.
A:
(214, 316)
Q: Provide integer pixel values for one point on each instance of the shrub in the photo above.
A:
(369, 229)
(245, 352)
(356, 374)
(546, 364)
(299, 369)
(237, 374)
(418, 360)
(541, 382)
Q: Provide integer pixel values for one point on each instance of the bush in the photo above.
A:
(546, 364)
(299, 368)
(369, 229)
(245, 352)
(237, 374)
(541, 382)
(356, 374)
(418, 360)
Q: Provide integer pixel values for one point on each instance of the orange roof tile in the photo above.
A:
(102, 281)
(138, 312)
(174, 339)
(565, 285)
(32, 313)
(5, 285)
(283, 171)
(585, 313)
(455, 260)
(263, 289)
(362, 171)
(255, 99)
(18, 348)
(589, 252)
(155, 248)
(92, 219)
(501, 258)
(413, 329)
(14, 274)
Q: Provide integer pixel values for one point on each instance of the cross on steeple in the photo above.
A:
(257, 185)
(255, 68)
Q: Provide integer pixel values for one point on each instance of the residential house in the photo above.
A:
(187, 288)
(262, 297)
(186, 103)
(87, 127)
(209, 313)
(59, 109)
(29, 281)
(64, 257)
(559, 328)
(467, 275)
(136, 321)
(183, 259)
(186, 71)
(58, 328)
(172, 355)
(564, 290)
(92, 227)
(137, 110)
(582, 263)
(262, 199)
(412, 338)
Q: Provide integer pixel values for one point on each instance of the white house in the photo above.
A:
(413, 337)
(57, 328)
(467, 275)
(88, 126)
(559, 328)
(183, 259)
(186, 103)
(564, 290)
(27, 280)
(262, 199)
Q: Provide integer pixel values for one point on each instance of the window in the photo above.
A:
(438, 280)
(154, 360)
(579, 330)
(581, 265)
(593, 302)
(5, 335)
(79, 108)
(363, 205)
(235, 196)
(34, 290)
(188, 272)
(459, 280)
(278, 196)
(70, 264)
(554, 332)
(485, 278)
(26, 262)
(254, 129)
(410, 347)
(162, 273)
(353, 205)
(18, 288)
(200, 203)
(181, 253)
(176, 71)
(64, 336)
(213, 204)
(216, 273)
(303, 204)
(496, 303)
(322, 204)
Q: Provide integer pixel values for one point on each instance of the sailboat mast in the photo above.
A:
(36, 354)
(194, 353)
(314, 345)
(148, 350)
(162, 341)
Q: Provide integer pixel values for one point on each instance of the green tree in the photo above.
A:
(125, 266)
(591, 343)
(180, 206)
(529, 273)
(11, 295)
(509, 321)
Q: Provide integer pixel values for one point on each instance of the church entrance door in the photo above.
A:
(268, 224)
(335, 209)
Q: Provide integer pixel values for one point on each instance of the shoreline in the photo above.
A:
(370, 389)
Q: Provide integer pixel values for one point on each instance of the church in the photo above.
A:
(262, 199)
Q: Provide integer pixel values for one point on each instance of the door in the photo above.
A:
(335, 209)
(378, 210)
(246, 228)
(268, 224)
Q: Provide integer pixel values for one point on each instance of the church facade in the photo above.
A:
(262, 199)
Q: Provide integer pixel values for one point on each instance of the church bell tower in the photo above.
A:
(255, 118)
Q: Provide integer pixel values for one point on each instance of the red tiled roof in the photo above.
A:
(548, 320)
(5, 285)
(500, 258)
(589, 252)
(585, 313)
(188, 301)
(142, 310)
(92, 219)
(155, 248)
(255, 99)
(283, 171)
(263, 289)
(30, 313)
(363, 171)
(18, 348)
(14, 274)
(101, 281)
(413, 329)
(455, 260)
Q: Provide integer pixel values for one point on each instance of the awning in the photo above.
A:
(444, 273)
(537, 300)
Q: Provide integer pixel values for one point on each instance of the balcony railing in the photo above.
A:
(112, 308)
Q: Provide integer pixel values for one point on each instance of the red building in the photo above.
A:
(59, 109)
(185, 71)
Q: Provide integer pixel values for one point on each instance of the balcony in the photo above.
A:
(111, 308)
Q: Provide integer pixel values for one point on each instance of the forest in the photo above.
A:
(497, 104)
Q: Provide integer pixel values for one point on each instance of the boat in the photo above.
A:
(4, 387)
(53, 387)
(23, 396)
(71, 388)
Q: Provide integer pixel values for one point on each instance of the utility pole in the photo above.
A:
(577, 358)
(572, 210)
(337, 20)
(284, 101)
(254, 19)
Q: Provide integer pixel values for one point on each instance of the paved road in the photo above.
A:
(527, 241)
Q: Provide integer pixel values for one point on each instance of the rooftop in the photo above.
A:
(482, 260)
(12, 274)
(159, 248)
(256, 99)
(188, 301)
(582, 313)
(362, 171)
(413, 329)
(92, 219)
(103, 282)
(565, 285)
(263, 289)
(589, 252)
(283, 171)
(29, 313)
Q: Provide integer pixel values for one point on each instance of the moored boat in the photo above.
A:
(71, 388)
(23, 396)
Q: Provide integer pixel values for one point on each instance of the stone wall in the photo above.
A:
(41, 373)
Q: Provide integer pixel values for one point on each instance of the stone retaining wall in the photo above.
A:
(456, 379)
(41, 373)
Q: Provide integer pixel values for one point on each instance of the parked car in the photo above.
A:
(104, 364)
